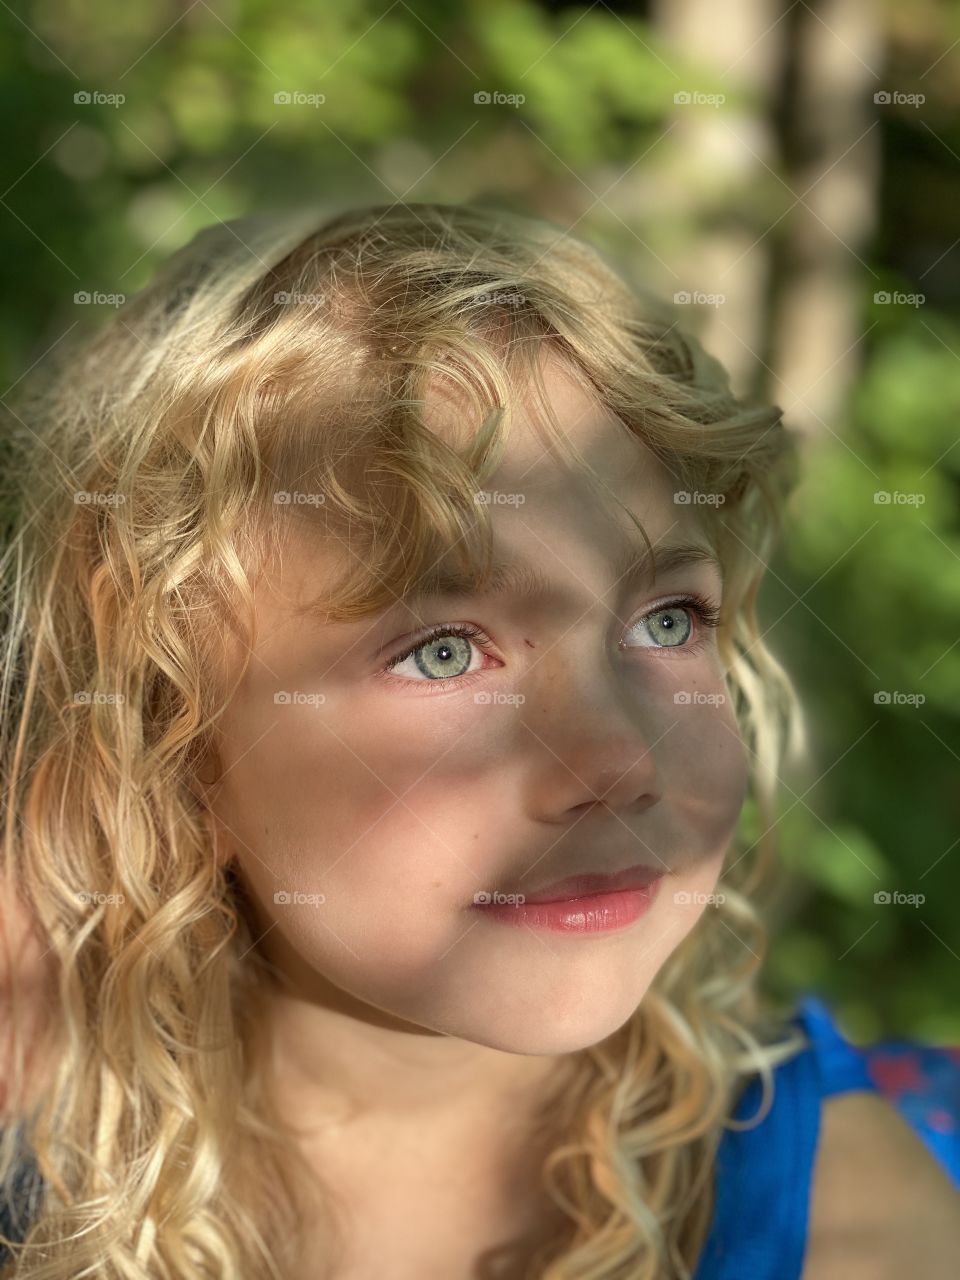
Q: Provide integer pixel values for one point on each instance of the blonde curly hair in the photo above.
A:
(147, 457)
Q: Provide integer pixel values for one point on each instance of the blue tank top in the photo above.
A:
(764, 1174)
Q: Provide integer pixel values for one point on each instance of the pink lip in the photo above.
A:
(594, 913)
(592, 903)
(639, 877)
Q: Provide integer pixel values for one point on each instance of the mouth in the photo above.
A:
(587, 885)
(585, 904)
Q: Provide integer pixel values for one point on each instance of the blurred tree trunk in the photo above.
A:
(720, 163)
(780, 189)
(830, 144)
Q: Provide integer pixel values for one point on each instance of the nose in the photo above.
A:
(618, 780)
(596, 749)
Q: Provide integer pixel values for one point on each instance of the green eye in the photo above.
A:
(443, 654)
(669, 627)
(444, 657)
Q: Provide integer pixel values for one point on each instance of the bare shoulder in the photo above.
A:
(881, 1204)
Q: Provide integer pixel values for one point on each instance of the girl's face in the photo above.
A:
(584, 731)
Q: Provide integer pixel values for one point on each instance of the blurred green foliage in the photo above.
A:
(864, 598)
(880, 615)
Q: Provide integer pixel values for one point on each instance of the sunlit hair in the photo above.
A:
(157, 464)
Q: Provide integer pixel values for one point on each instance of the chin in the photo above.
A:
(550, 1031)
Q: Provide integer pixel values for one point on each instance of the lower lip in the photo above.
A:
(596, 913)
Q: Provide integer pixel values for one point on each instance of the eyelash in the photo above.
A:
(707, 615)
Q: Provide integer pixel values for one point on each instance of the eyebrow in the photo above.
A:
(522, 580)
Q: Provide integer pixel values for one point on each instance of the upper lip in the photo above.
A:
(582, 886)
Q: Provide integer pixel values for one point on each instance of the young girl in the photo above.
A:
(382, 692)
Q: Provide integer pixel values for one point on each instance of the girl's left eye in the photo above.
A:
(444, 653)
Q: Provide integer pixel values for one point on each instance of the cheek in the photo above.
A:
(400, 797)
(705, 769)
(385, 817)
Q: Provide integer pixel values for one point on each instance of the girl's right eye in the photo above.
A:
(443, 654)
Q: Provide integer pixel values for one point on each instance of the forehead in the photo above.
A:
(542, 509)
(530, 459)
(534, 482)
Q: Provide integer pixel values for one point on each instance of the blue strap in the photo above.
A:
(841, 1065)
(762, 1182)
(764, 1174)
